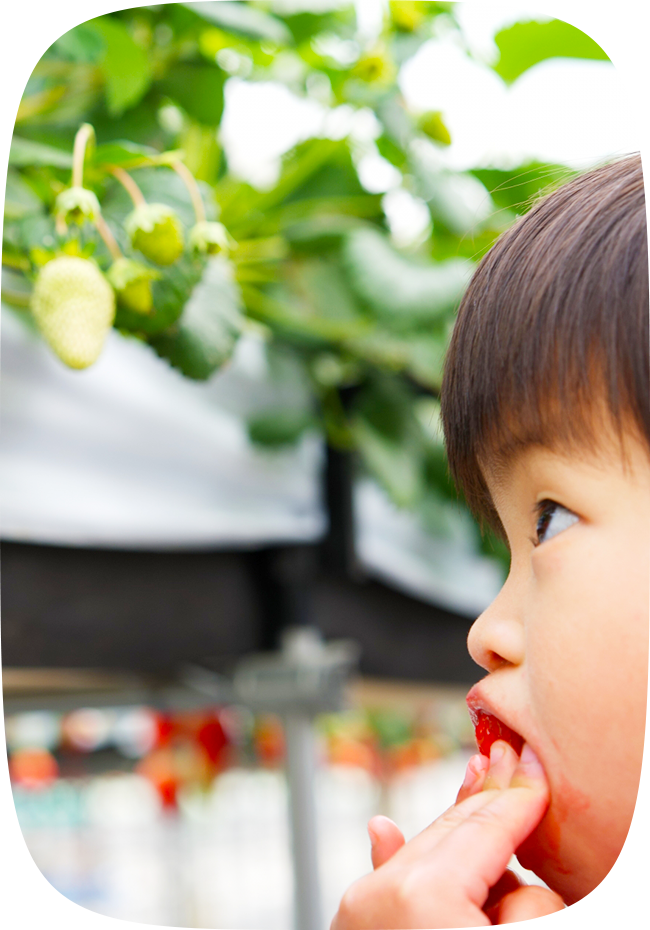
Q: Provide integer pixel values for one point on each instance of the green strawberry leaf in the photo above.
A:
(126, 154)
(72, 40)
(527, 43)
(243, 20)
(420, 355)
(198, 88)
(279, 428)
(393, 464)
(389, 437)
(24, 152)
(171, 291)
(204, 337)
(402, 292)
(126, 66)
(36, 230)
(158, 185)
(20, 198)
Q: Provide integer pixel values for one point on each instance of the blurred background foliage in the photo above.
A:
(360, 320)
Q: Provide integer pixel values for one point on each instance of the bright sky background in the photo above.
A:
(560, 110)
(575, 112)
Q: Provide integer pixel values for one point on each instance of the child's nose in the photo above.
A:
(497, 636)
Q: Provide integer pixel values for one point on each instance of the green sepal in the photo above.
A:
(76, 205)
(131, 281)
(211, 238)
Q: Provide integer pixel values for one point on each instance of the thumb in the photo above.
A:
(508, 883)
(528, 902)
(385, 839)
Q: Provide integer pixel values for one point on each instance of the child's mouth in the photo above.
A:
(489, 728)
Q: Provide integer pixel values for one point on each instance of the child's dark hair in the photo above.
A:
(552, 332)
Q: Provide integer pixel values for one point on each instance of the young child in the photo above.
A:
(546, 410)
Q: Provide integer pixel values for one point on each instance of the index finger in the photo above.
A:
(424, 844)
(478, 851)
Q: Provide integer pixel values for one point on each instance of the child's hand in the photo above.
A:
(454, 873)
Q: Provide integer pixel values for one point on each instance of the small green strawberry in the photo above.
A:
(211, 238)
(132, 283)
(407, 16)
(376, 66)
(74, 307)
(76, 204)
(432, 125)
(156, 231)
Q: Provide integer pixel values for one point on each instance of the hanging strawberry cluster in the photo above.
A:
(74, 301)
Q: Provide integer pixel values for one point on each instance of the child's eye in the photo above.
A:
(552, 519)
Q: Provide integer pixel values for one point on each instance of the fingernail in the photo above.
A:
(529, 762)
(497, 752)
(472, 772)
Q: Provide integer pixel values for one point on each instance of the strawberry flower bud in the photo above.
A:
(211, 238)
(155, 230)
(74, 307)
(77, 204)
(132, 282)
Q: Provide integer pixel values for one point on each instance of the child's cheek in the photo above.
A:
(550, 562)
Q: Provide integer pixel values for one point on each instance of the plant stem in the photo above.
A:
(109, 239)
(15, 261)
(15, 299)
(193, 189)
(129, 184)
(84, 134)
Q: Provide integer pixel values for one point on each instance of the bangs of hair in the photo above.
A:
(552, 332)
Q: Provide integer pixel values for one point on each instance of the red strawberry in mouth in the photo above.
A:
(489, 728)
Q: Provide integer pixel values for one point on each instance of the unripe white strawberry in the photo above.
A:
(74, 307)
(156, 231)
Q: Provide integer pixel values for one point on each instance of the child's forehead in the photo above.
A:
(609, 451)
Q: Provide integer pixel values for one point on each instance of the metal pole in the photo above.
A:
(301, 771)
(304, 678)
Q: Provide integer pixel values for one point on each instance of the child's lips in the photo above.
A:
(488, 727)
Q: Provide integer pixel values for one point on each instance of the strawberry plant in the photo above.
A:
(122, 210)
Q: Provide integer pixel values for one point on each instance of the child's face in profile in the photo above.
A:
(565, 643)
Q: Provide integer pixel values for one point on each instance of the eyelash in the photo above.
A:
(544, 510)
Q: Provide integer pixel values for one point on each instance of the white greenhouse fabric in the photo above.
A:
(129, 454)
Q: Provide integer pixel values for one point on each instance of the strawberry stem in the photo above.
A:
(84, 134)
(129, 185)
(109, 239)
(193, 189)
